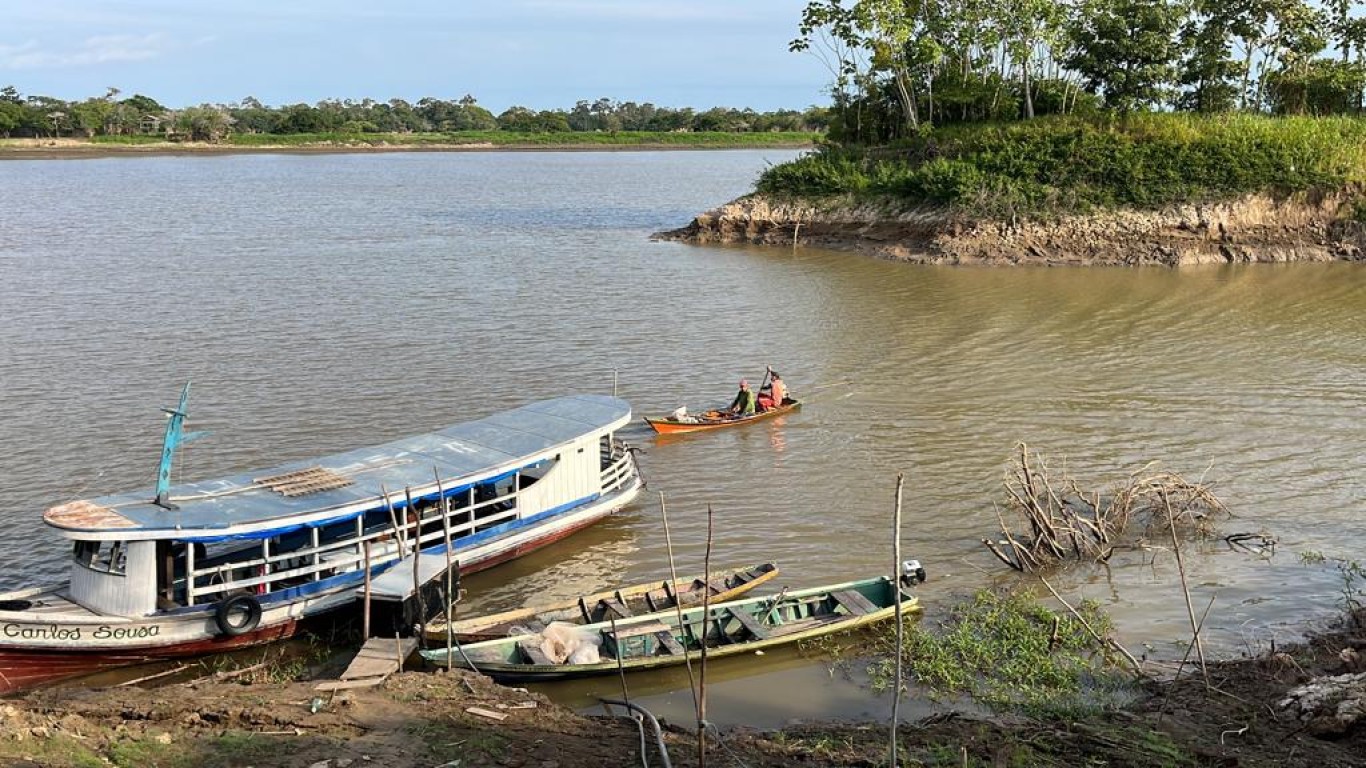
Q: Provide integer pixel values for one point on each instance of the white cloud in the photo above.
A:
(101, 49)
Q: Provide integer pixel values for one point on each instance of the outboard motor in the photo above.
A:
(912, 573)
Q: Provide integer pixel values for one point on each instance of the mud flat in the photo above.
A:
(1318, 226)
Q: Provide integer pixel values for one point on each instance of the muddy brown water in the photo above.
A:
(324, 302)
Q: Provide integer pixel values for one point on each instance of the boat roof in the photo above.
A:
(310, 488)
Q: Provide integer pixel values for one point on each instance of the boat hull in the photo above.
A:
(501, 659)
(43, 646)
(24, 668)
(498, 625)
(667, 426)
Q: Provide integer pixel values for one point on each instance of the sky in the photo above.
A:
(542, 54)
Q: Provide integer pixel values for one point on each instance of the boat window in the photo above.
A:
(102, 556)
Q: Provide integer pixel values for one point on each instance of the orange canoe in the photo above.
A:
(667, 425)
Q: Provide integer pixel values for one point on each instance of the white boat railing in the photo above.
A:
(260, 569)
(618, 466)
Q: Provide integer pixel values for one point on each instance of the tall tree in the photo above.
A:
(1208, 70)
(1125, 49)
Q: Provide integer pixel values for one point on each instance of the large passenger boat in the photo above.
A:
(220, 564)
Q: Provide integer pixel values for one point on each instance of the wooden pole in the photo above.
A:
(365, 625)
(446, 530)
(678, 606)
(621, 665)
(702, 673)
(900, 620)
(1190, 609)
(417, 549)
(393, 521)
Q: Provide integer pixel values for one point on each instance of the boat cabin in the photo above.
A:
(487, 490)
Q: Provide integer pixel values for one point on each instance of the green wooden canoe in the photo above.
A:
(653, 640)
(649, 597)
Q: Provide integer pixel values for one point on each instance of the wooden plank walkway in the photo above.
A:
(375, 661)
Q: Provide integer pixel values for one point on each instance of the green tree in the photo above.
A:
(91, 116)
(203, 123)
(11, 117)
(1209, 72)
(1025, 26)
(830, 32)
(889, 29)
(1125, 49)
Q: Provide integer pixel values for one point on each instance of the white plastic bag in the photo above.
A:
(585, 654)
(562, 639)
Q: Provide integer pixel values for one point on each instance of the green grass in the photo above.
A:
(996, 649)
(1069, 165)
(137, 140)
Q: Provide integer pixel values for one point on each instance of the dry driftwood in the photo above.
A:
(1063, 522)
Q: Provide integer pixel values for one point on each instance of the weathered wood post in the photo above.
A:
(896, 586)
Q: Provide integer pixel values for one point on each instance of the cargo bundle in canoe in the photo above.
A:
(708, 420)
(619, 604)
(660, 639)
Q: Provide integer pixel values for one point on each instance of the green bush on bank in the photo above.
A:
(1062, 165)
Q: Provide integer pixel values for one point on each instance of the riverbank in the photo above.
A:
(1311, 226)
(1150, 189)
(483, 141)
(455, 718)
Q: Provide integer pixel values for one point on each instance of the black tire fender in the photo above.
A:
(237, 615)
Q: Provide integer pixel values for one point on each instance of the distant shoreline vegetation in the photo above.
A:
(485, 140)
(110, 120)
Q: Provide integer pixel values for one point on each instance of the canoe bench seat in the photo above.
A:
(853, 602)
(603, 610)
(752, 625)
(661, 633)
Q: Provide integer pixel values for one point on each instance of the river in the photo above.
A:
(324, 302)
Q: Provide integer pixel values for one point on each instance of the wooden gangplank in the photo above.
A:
(373, 663)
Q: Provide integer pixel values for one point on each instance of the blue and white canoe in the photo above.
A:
(220, 564)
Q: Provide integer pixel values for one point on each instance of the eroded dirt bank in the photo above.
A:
(1247, 714)
(1258, 228)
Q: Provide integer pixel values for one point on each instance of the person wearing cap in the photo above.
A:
(743, 404)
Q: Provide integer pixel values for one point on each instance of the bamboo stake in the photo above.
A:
(365, 627)
(1138, 668)
(1190, 609)
(393, 522)
(702, 675)
(417, 549)
(447, 609)
(1161, 712)
(900, 620)
(678, 606)
(621, 665)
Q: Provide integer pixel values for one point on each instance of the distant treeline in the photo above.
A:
(110, 115)
(899, 68)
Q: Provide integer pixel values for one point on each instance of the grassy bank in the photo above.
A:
(1068, 165)
(507, 139)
